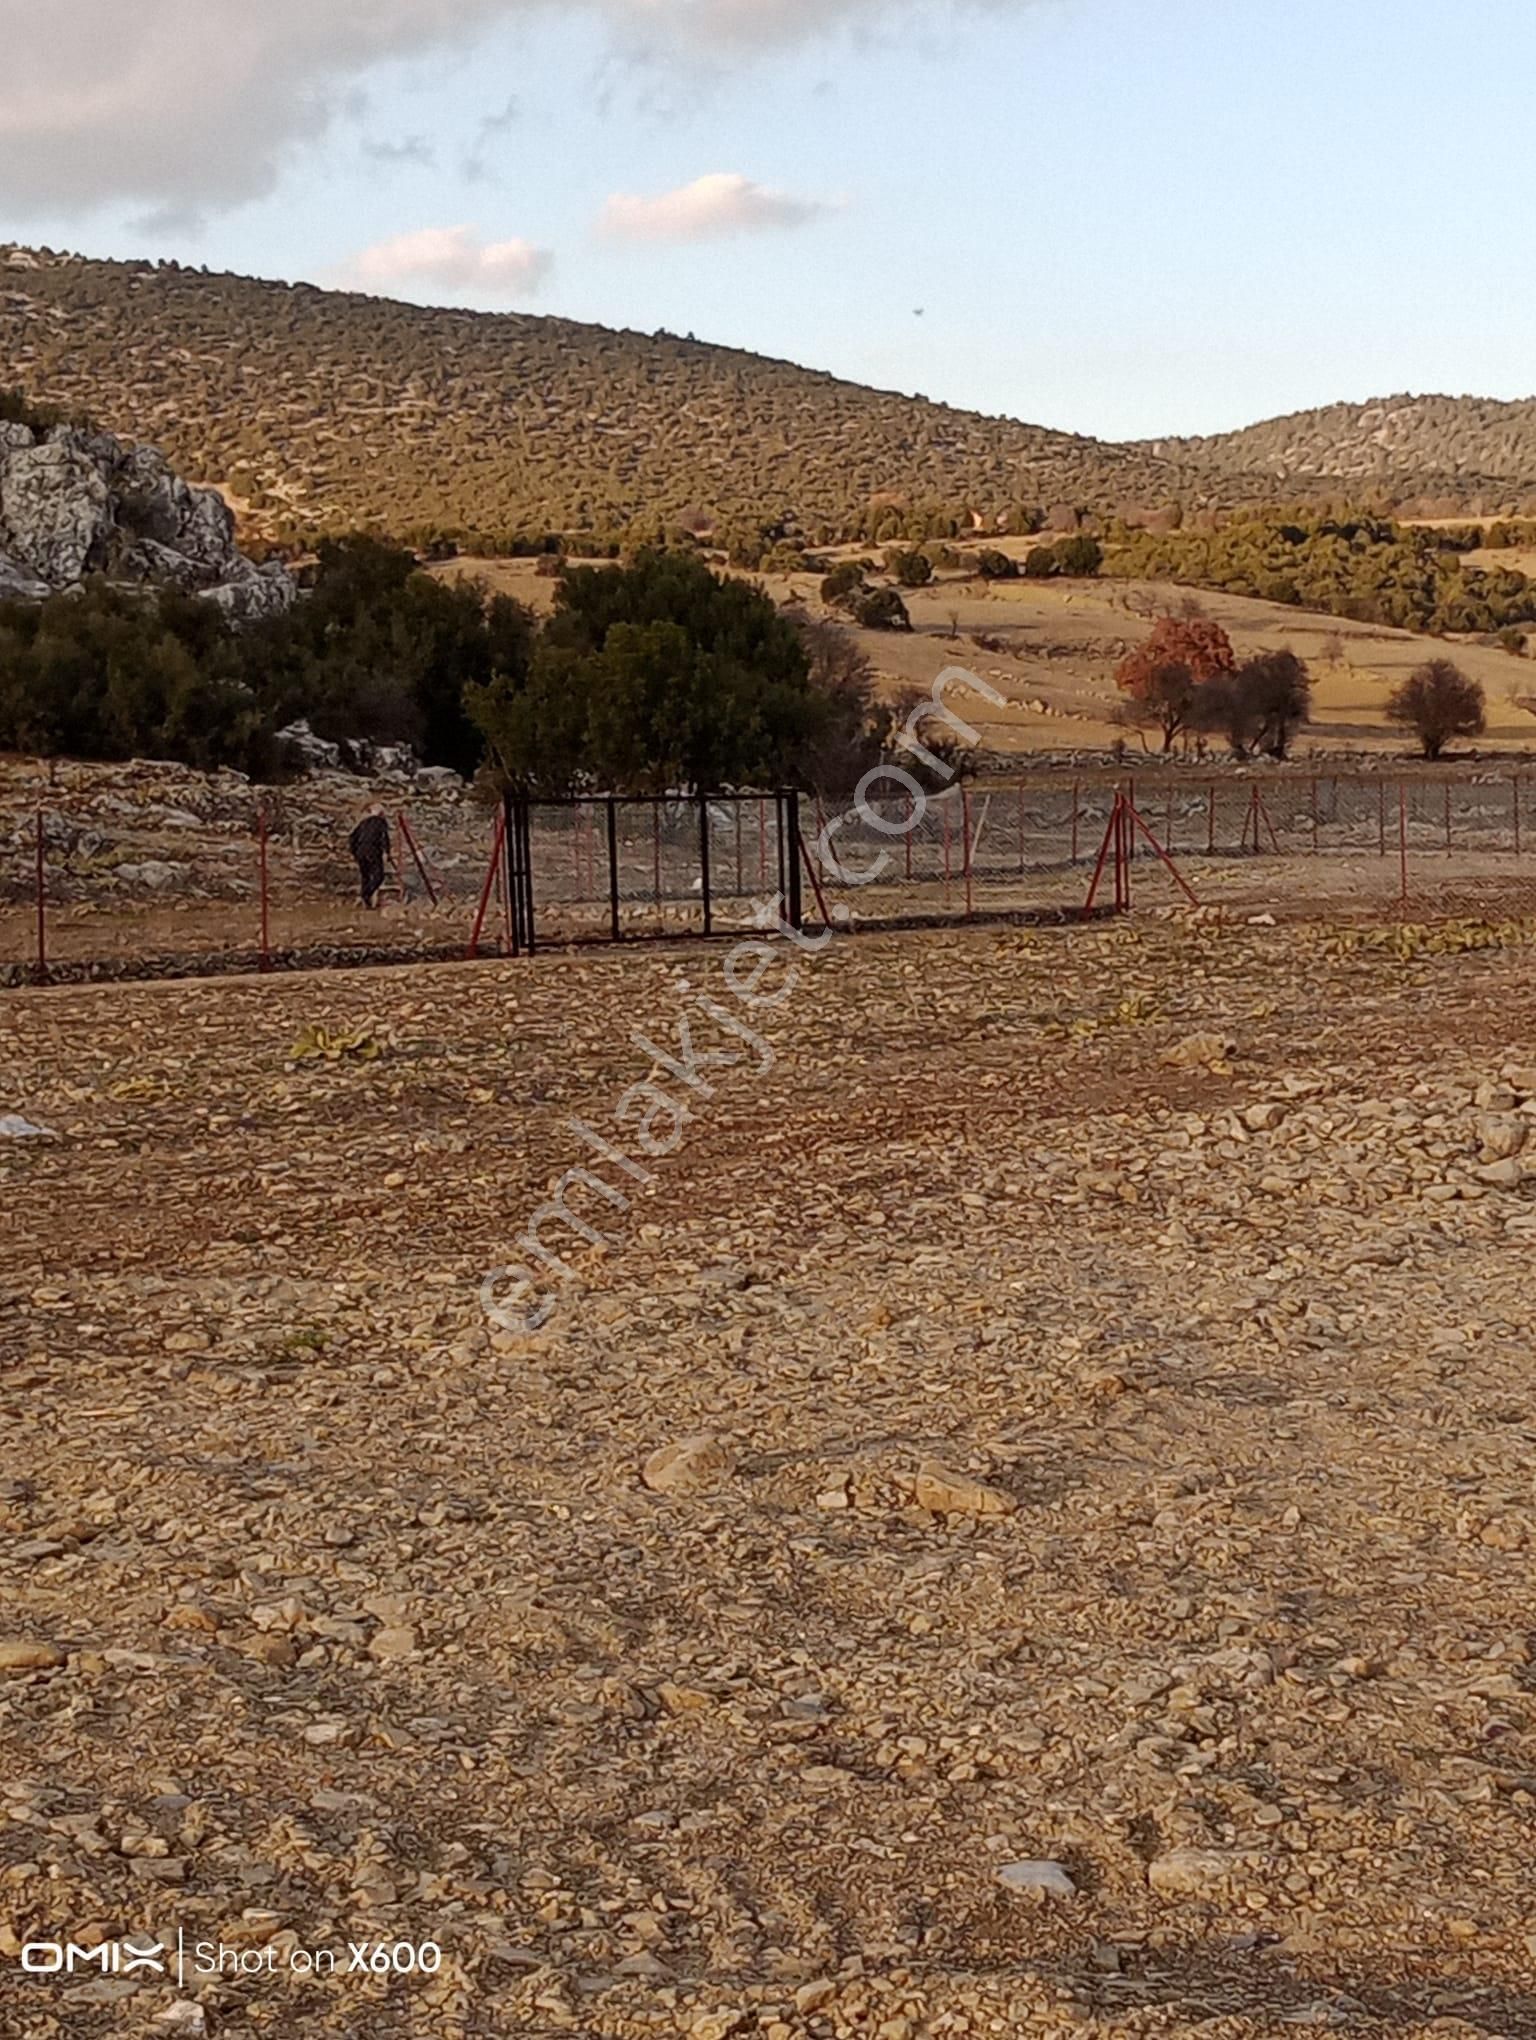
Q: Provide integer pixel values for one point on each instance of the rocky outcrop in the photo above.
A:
(75, 502)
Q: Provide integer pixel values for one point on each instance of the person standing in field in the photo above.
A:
(369, 844)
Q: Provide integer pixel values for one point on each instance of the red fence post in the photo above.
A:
(965, 823)
(498, 835)
(815, 877)
(661, 915)
(1402, 839)
(409, 835)
(41, 970)
(266, 900)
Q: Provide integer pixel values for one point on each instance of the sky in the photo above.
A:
(1120, 217)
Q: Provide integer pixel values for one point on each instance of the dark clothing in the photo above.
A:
(369, 844)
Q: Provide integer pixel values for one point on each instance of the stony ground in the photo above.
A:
(1093, 1595)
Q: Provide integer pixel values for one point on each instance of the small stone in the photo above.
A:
(18, 1655)
(333, 1734)
(393, 1643)
(1189, 1872)
(1263, 1118)
(717, 2025)
(684, 1699)
(810, 1997)
(1502, 1134)
(691, 1466)
(1199, 1051)
(1505, 1175)
(642, 1965)
(1038, 1875)
(944, 1493)
(274, 1650)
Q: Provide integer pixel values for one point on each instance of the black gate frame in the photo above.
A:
(519, 873)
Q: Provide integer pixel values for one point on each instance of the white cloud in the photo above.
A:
(454, 259)
(724, 203)
(199, 103)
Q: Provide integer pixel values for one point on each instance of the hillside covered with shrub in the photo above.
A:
(323, 411)
(1454, 454)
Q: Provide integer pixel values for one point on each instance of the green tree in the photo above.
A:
(851, 726)
(110, 673)
(379, 649)
(882, 609)
(1079, 556)
(993, 565)
(911, 569)
(843, 587)
(662, 676)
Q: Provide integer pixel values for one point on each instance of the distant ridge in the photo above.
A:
(1478, 452)
(321, 410)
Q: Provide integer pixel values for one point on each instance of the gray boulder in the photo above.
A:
(154, 873)
(55, 510)
(18, 584)
(314, 752)
(74, 502)
(253, 592)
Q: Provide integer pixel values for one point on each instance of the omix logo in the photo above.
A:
(112, 1958)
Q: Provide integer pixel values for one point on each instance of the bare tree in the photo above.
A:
(1438, 702)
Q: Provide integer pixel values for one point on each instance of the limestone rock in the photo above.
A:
(55, 509)
(21, 1654)
(1504, 1175)
(1184, 1873)
(1200, 1051)
(19, 583)
(75, 502)
(1038, 1875)
(955, 1494)
(691, 1466)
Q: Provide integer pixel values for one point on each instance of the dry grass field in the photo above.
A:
(1061, 641)
(1115, 1346)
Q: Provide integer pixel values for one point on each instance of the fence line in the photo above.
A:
(616, 869)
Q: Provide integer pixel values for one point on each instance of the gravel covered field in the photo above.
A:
(1091, 1590)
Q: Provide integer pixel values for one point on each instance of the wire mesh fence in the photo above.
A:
(262, 884)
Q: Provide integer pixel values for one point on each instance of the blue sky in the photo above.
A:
(1123, 217)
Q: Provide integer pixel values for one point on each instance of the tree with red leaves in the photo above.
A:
(1163, 678)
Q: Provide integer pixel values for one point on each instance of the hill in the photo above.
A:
(319, 410)
(1469, 454)
(323, 409)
